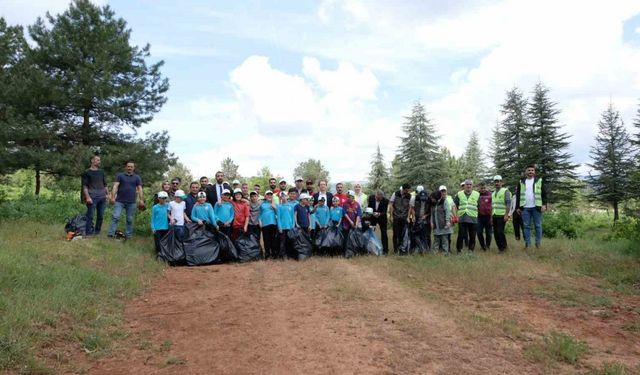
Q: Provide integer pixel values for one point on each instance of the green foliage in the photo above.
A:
(612, 160)
(610, 368)
(262, 179)
(473, 165)
(311, 170)
(626, 228)
(508, 145)
(557, 346)
(182, 171)
(419, 161)
(561, 223)
(70, 294)
(379, 174)
(230, 170)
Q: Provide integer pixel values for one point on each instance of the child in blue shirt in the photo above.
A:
(268, 224)
(224, 213)
(160, 219)
(286, 221)
(202, 212)
(322, 214)
(336, 212)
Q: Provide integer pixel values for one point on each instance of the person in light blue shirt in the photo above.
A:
(202, 212)
(224, 213)
(293, 197)
(286, 222)
(268, 223)
(322, 214)
(336, 212)
(160, 219)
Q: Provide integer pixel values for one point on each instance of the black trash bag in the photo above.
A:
(200, 245)
(248, 247)
(301, 243)
(372, 243)
(320, 234)
(228, 252)
(171, 248)
(77, 225)
(419, 242)
(355, 244)
(333, 241)
(405, 242)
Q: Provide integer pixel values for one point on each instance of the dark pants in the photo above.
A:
(271, 243)
(179, 231)
(98, 205)
(285, 249)
(398, 230)
(518, 225)
(466, 231)
(384, 236)
(157, 236)
(255, 230)
(498, 232)
(225, 230)
(484, 231)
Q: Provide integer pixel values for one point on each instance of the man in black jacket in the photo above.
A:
(322, 186)
(214, 192)
(380, 205)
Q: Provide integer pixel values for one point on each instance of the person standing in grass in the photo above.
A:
(204, 183)
(123, 197)
(241, 213)
(441, 221)
(160, 219)
(531, 202)
(485, 223)
(192, 197)
(94, 194)
(352, 212)
(500, 201)
(255, 201)
(301, 214)
(286, 222)
(467, 202)
(336, 212)
(399, 211)
(380, 205)
(322, 212)
(179, 216)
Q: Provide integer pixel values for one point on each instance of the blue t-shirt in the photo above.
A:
(224, 212)
(336, 213)
(322, 215)
(285, 216)
(267, 214)
(160, 217)
(127, 188)
(204, 212)
(303, 215)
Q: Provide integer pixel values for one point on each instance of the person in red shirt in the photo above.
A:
(340, 193)
(484, 229)
(241, 212)
(352, 212)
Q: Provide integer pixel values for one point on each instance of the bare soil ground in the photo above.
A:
(335, 316)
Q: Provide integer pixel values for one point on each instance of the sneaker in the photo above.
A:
(537, 246)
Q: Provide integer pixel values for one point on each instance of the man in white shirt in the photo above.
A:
(531, 203)
(178, 214)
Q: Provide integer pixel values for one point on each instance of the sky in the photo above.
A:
(273, 83)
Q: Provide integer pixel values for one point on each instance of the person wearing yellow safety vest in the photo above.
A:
(531, 202)
(500, 203)
(467, 202)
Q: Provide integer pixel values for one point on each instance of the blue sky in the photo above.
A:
(272, 83)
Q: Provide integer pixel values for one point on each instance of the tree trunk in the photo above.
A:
(37, 182)
(85, 126)
(615, 211)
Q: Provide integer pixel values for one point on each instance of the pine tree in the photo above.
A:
(379, 174)
(419, 159)
(473, 163)
(634, 188)
(612, 160)
(455, 171)
(230, 169)
(507, 143)
(544, 145)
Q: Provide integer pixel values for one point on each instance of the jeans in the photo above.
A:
(98, 205)
(115, 217)
(532, 214)
(484, 231)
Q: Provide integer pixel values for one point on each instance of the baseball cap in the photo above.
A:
(299, 179)
(462, 183)
(323, 199)
(419, 188)
(268, 192)
(235, 182)
(368, 210)
(497, 178)
(253, 193)
(442, 187)
(304, 196)
(236, 191)
(226, 191)
(468, 182)
(351, 193)
(283, 180)
(180, 194)
(163, 195)
(202, 194)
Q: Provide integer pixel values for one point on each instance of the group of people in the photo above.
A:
(234, 209)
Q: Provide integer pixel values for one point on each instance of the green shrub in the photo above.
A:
(561, 223)
(557, 346)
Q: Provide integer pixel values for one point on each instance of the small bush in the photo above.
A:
(557, 346)
(561, 223)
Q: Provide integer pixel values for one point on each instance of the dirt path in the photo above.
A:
(324, 316)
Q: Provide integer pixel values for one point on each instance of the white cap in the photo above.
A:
(304, 196)
(462, 183)
(368, 210)
(299, 179)
(282, 180)
(180, 193)
(497, 178)
(235, 182)
(163, 195)
(202, 194)
(442, 187)
(236, 191)
(268, 192)
(226, 191)
(419, 188)
(351, 193)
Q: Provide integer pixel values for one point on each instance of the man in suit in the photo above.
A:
(380, 205)
(214, 192)
(322, 187)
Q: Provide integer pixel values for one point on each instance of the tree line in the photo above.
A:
(78, 88)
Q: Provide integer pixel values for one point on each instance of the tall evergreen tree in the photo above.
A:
(612, 160)
(420, 162)
(230, 169)
(473, 160)
(379, 174)
(455, 171)
(507, 143)
(634, 187)
(546, 146)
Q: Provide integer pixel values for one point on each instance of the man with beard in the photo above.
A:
(214, 192)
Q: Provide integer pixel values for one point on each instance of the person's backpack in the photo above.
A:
(76, 226)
